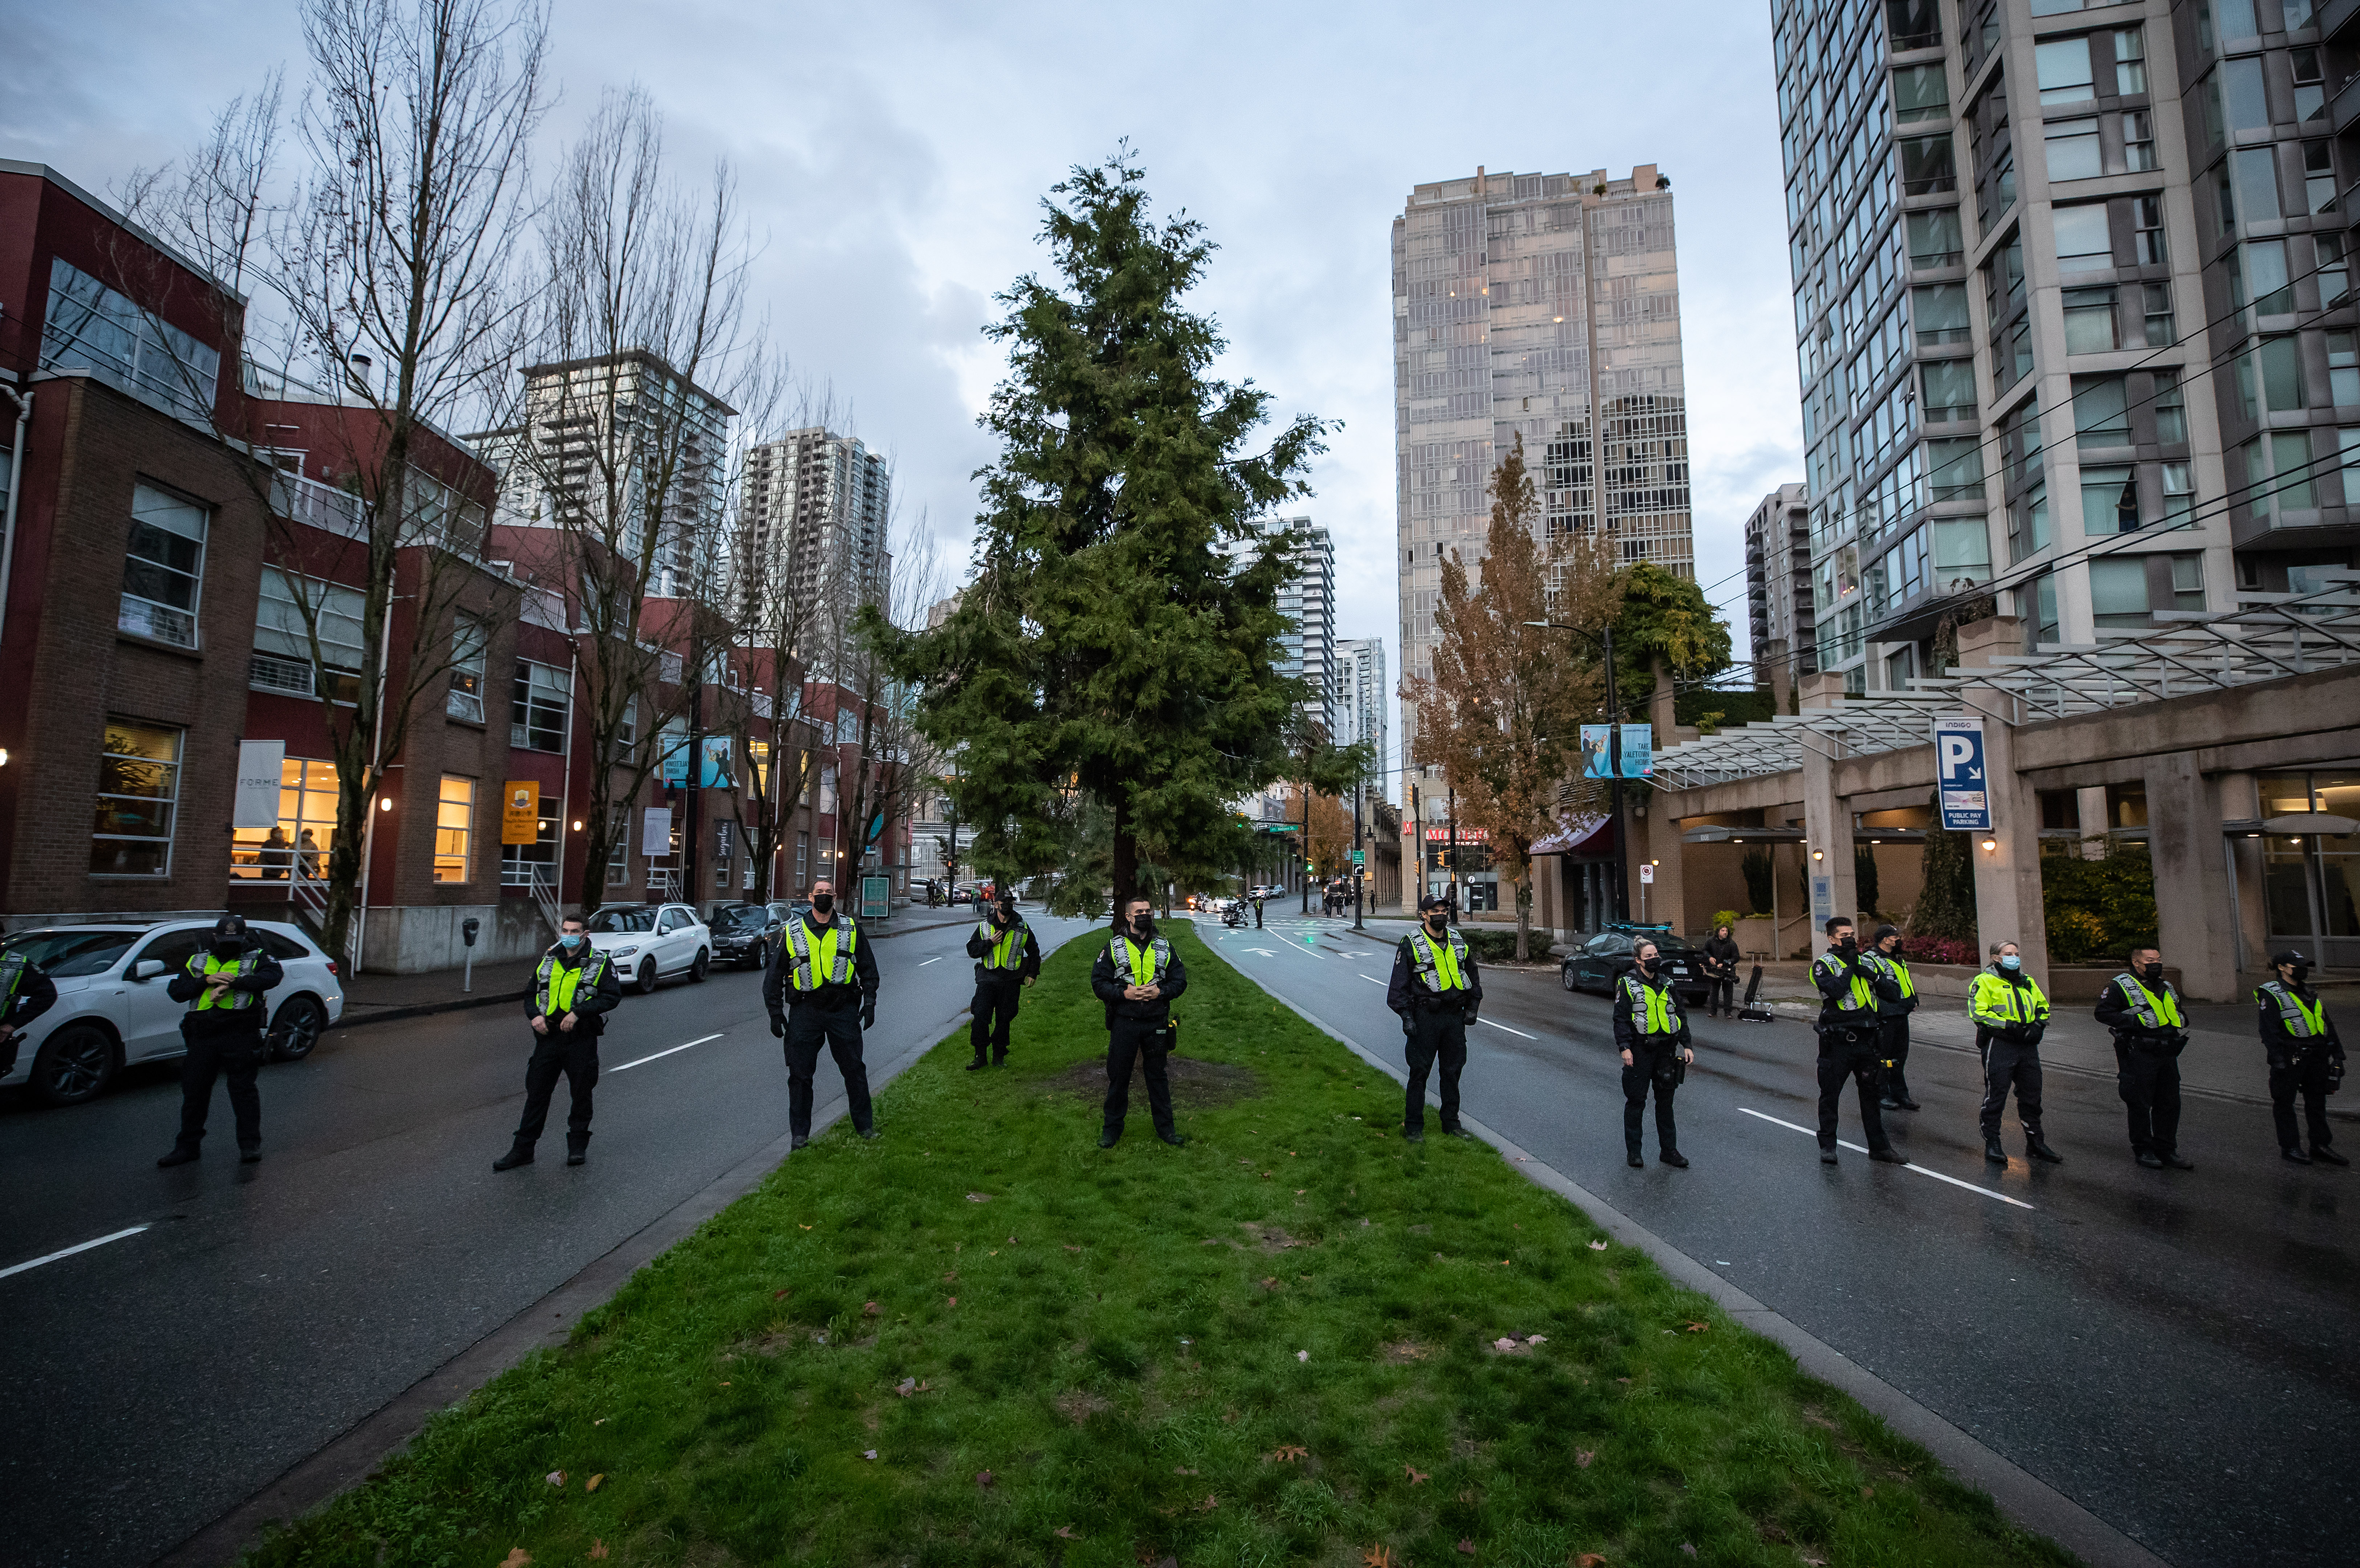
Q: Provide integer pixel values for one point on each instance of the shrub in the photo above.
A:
(2099, 908)
(1726, 918)
(1938, 950)
(1496, 947)
(2075, 936)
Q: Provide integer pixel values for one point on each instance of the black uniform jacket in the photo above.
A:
(1028, 950)
(591, 1005)
(2115, 1012)
(1834, 983)
(201, 1023)
(2275, 1039)
(1404, 996)
(35, 995)
(778, 982)
(1110, 982)
(1627, 1038)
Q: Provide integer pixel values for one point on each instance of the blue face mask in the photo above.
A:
(2011, 964)
(570, 941)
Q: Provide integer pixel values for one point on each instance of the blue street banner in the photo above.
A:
(1959, 775)
(716, 773)
(1638, 751)
(1595, 761)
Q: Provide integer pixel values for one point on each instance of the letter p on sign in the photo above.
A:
(1958, 775)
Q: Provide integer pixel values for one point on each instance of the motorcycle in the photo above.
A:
(1234, 918)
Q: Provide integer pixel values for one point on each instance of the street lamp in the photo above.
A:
(1605, 641)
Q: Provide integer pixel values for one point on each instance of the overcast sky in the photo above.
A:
(892, 155)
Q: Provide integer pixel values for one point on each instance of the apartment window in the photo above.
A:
(163, 567)
(2090, 320)
(455, 829)
(2138, 142)
(1926, 165)
(1957, 468)
(2130, 61)
(2256, 173)
(2148, 247)
(2158, 325)
(2178, 491)
(2318, 177)
(2343, 369)
(2011, 362)
(138, 793)
(1920, 92)
(2110, 503)
(1935, 239)
(2270, 380)
(2020, 441)
(2084, 242)
(2063, 67)
(2188, 582)
(282, 638)
(2170, 405)
(1913, 24)
(2278, 472)
(1940, 312)
(2327, 255)
(468, 640)
(89, 328)
(537, 707)
(1900, 667)
(2101, 412)
(2041, 596)
(2298, 13)
(2118, 592)
(619, 852)
(626, 733)
(1948, 389)
(803, 861)
(2244, 106)
(2310, 86)
(2027, 523)
(2072, 148)
(522, 863)
(1962, 553)
(306, 830)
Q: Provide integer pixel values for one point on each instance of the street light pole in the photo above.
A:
(1359, 861)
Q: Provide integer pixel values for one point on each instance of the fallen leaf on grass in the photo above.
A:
(555, 1477)
(1416, 1476)
(592, 1484)
(1585, 1456)
(1065, 1532)
(1589, 1560)
(979, 1198)
(1503, 1345)
(1011, 1241)
(1182, 1470)
(1698, 1327)
(1376, 1556)
(723, 1384)
(1687, 1549)
(869, 1308)
(1597, 1247)
(1817, 1562)
(1300, 1190)
(951, 1276)
(1288, 1453)
(868, 1454)
(1467, 1546)
(597, 1551)
(1868, 1492)
(518, 1557)
(954, 1301)
(600, 1422)
(983, 1477)
(906, 1386)
(1209, 1504)
(1271, 1283)
(1535, 1339)
(802, 1226)
(781, 1295)
(1071, 1247)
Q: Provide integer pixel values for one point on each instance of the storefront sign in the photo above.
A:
(1959, 775)
(655, 832)
(259, 763)
(520, 811)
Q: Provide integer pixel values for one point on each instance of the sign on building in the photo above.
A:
(520, 811)
(1647, 872)
(655, 832)
(260, 764)
(1959, 775)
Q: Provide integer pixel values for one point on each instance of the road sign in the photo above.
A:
(1360, 857)
(1646, 871)
(1959, 775)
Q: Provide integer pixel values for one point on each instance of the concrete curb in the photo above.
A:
(2020, 1495)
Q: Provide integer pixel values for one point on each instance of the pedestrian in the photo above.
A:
(1007, 959)
(308, 856)
(1257, 904)
(276, 855)
(822, 989)
(1849, 986)
(1720, 957)
(2150, 1031)
(1437, 992)
(573, 989)
(1651, 1028)
(2012, 1015)
(2305, 1055)
(1138, 977)
(26, 992)
(225, 984)
(1893, 1019)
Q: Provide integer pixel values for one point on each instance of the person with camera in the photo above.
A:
(2306, 1056)
(1007, 959)
(821, 989)
(1138, 977)
(1720, 958)
(1850, 985)
(2150, 1031)
(2012, 1015)
(1651, 1028)
(1437, 992)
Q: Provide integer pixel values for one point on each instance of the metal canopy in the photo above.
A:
(1718, 834)
(2295, 824)
(2266, 637)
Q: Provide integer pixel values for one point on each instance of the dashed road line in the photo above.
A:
(70, 1251)
(1517, 1032)
(643, 1060)
(1913, 1165)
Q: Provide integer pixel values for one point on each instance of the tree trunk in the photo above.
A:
(1524, 920)
(598, 843)
(1125, 878)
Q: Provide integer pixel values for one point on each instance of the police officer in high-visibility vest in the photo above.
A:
(2305, 1055)
(822, 989)
(2012, 1015)
(1437, 992)
(2150, 1031)
(1850, 985)
(1893, 1010)
(1138, 976)
(574, 988)
(25, 995)
(226, 984)
(1007, 959)
(1651, 1028)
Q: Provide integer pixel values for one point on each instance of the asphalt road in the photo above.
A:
(2172, 1350)
(157, 1380)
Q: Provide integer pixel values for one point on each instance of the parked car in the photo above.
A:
(647, 942)
(746, 934)
(113, 1009)
(1602, 961)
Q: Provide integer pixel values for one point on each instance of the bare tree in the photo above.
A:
(893, 762)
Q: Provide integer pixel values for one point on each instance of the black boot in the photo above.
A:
(249, 1154)
(1888, 1157)
(800, 1140)
(2177, 1160)
(976, 1066)
(1107, 1138)
(2152, 1162)
(180, 1155)
(1827, 1154)
(1994, 1152)
(2326, 1154)
(1414, 1134)
(1673, 1157)
(1171, 1137)
(2294, 1152)
(519, 1154)
(577, 1149)
(2037, 1146)
(1630, 1153)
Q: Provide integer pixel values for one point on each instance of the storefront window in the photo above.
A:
(298, 846)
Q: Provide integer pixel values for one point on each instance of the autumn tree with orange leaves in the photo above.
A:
(1501, 715)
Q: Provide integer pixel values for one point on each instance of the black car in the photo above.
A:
(744, 934)
(1602, 961)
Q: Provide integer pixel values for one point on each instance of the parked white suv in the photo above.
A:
(113, 1009)
(647, 942)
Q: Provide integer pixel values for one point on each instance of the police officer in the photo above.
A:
(822, 989)
(1138, 977)
(1006, 961)
(1851, 986)
(2012, 1015)
(1438, 993)
(25, 995)
(225, 983)
(1893, 1012)
(2305, 1055)
(573, 989)
(1651, 1028)
(2150, 1031)
(1257, 904)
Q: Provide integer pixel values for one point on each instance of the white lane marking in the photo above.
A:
(1266, 952)
(1913, 1165)
(1370, 978)
(643, 1060)
(936, 959)
(70, 1251)
(1517, 1032)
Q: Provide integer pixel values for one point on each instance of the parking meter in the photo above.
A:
(467, 930)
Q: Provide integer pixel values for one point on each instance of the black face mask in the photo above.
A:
(2302, 972)
(823, 903)
(1144, 927)
(1437, 919)
(1850, 944)
(2151, 973)
(1647, 965)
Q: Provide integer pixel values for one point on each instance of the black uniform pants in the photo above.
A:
(1850, 1056)
(996, 996)
(2149, 1083)
(572, 1053)
(809, 1027)
(1721, 993)
(236, 1056)
(1436, 1035)
(1655, 1063)
(1893, 1045)
(2011, 1063)
(1137, 1042)
(2308, 1075)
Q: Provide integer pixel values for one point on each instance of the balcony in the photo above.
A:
(2336, 17)
(2344, 107)
(317, 506)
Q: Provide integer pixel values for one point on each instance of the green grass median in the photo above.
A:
(982, 1340)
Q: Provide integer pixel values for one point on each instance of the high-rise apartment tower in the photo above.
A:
(1778, 590)
(812, 542)
(1307, 598)
(1363, 698)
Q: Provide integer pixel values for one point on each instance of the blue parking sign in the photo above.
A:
(1959, 775)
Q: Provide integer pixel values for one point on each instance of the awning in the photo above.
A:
(1581, 837)
(1721, 835)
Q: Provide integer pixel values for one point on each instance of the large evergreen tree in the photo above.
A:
(1117, 645)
